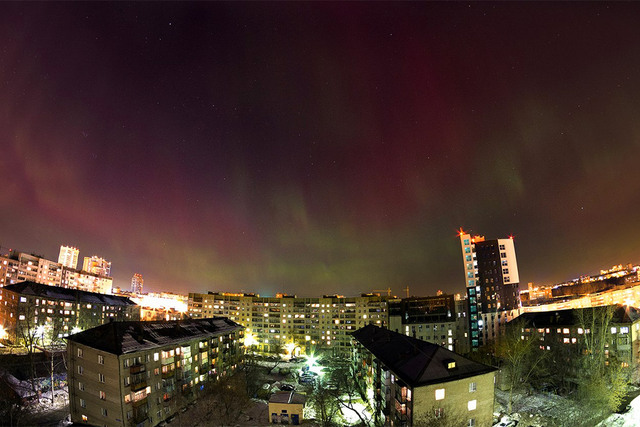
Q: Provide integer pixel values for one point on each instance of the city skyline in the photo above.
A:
(320, 148)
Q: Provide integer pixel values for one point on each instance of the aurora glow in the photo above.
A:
(320, 147)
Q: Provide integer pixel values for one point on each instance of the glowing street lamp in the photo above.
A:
(249, 340)
(289, 347)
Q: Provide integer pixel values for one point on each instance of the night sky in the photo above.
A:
(320, 147)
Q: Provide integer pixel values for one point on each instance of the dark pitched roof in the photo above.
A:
(131, 336)
(66, 294)
(288, 397)
(622, 314)
(414, 361)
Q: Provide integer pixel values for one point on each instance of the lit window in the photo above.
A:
(156, 356)
(565, 330)
(472, 387)
(451, 365)
(84, 418)
(614, 330)
(440, 394)
(624, 330)
(103, 395)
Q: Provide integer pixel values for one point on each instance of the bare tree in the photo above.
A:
(520, 357)
(342, 384)
(446, 416)
(602, 379)
(223, 402)
(325, 405)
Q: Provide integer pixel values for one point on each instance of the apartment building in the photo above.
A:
(566, 330)
(411, 382)
(492, 285)
(272, 322)
(26, 306)
(16, 267)
(97, 265)
(19, 267)
(141, 373)
(439, 319)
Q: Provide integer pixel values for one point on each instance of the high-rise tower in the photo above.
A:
(69, 256)
(136, 283)
(491, 278)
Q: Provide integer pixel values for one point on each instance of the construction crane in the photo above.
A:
(388, 291)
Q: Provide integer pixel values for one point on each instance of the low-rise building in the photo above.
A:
(566, 330)
(286, 407)
(28, 307)
(413, 382)
(141, 373)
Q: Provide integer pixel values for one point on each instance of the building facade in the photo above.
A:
(97, 265)
(141, 373)
(272, 322)
(565, 331)
(433, 319)
(17, 267)
(492, 285)
(136, 283)
(68, 256)
(286, 407)
(85, 281)
(410, 382)
(28, 307)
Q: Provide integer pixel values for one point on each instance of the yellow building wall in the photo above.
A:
(456, 400)
(291, 408)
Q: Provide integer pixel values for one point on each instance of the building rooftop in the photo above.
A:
(66, 294)
(287, 397)
(414, 361)
(621, 314)
(131, 336)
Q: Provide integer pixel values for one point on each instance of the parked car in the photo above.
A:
(287, 387)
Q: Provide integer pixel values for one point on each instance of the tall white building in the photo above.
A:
(492, 284)
(69, 256)
(136, 283)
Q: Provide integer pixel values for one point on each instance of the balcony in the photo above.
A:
(139, 403)
(136, 369)
(140, 417)
(138, 385)
(168, 374)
